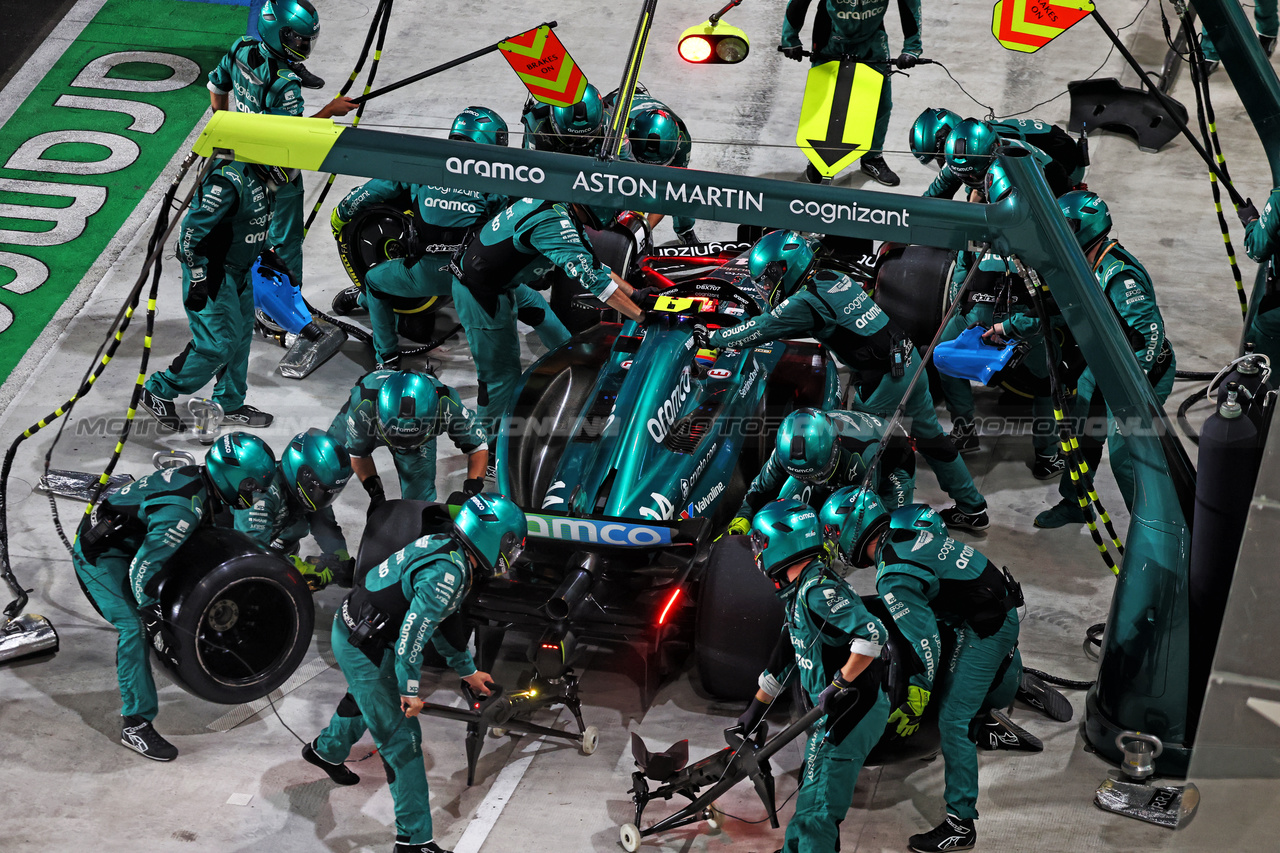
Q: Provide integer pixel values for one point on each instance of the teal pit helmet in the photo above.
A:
(1087, 214)
(492, 529)
(315, 468)
(929, 134)
(806, 446)
(238, 466)
(655, 136)
(479, 124)
(407, 408)
(581, 125)
(969, 151)
(289, 28)
(918, 517)
(781, 259)
(782, 534)
(996, 184)
(853, 516)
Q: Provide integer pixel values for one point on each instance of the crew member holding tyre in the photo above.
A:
(493, 267)
(819, 452)
(127, 539)
(219, 239)
(299, 500)
(404, 411)
(928, 581)
(444, 217)
(379, 634)
(835, 646)
(829, 306)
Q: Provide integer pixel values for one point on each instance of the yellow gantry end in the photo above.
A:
(290, 142)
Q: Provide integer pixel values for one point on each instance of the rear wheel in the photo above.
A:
(239, 618)
(738, 622)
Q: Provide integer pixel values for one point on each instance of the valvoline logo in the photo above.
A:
(719, 373)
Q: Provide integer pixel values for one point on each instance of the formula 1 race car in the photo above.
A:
(630, 449)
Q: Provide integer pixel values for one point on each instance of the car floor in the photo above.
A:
(240, 784)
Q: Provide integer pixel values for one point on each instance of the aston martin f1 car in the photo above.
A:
(630, 449)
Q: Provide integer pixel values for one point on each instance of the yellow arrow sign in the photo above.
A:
(838, 117)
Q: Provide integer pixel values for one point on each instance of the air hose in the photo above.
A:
(1081, 478)
(100, 361)
(381, 16)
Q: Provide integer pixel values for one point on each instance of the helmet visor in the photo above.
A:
(297, 45)
(312, 490)
(508, 552)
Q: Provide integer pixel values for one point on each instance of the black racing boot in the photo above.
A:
(1048, 467)
(140, 736)
(813, 176)
(997, 731)
(305, 77)
(348, 301)
(957, 519)
(1268, 44)
(247, 417)
(429, 847)
(874, 167)
(391, 362)
(164, 411)
(339, 773)
(954, 833)
(1035, 692)
(964, 435)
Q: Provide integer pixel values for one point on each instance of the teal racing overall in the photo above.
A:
(409, 595)
(858, 438)
(444, 216)
(491, 270)
(855, 29)
(219, 239)
(278, 520)
(926, 581)
(825, 622)
(1133, 296)
(120, 546)
(265, 85)
(355, 427)
(834, 310)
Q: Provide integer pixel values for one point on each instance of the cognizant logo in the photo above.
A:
(486, 169)
(830, 213)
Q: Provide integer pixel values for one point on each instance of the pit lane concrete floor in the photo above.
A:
(65, 782)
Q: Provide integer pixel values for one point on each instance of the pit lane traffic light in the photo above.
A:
(713, 42)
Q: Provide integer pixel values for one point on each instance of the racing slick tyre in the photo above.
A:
(238, 618)
(738, 622)
(377, 234)
(911, 286)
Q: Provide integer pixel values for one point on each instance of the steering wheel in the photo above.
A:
(718, 289)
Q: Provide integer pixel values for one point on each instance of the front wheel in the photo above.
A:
(629, 835)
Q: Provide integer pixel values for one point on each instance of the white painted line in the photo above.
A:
(1266, 707)
(55, 44)
(490, 809)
